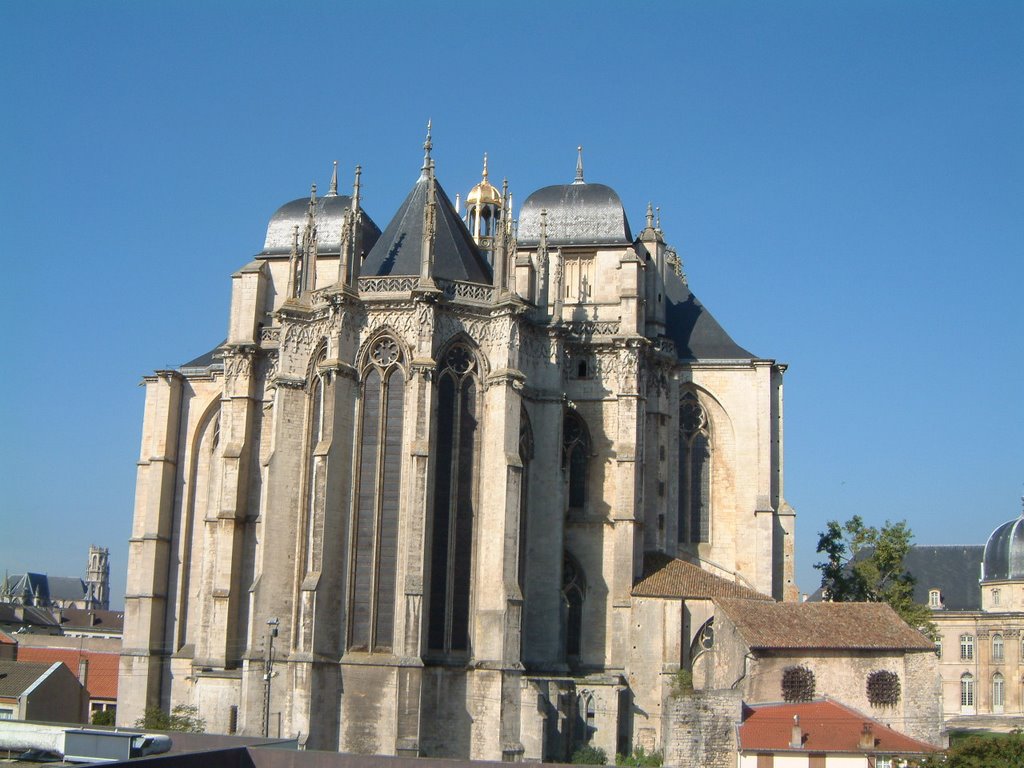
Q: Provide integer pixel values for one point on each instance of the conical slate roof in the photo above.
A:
(399, 248)
(696, 333)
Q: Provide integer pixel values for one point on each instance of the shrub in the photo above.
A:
(682, 683)
(588, 755)
(640, 759)
(103, 717)
(184, 717)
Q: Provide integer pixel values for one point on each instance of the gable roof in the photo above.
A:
(827, 727)
(16, 677)
(30, 616)
(399, 248)
(848, 626)
(101, 670)
(670, 577)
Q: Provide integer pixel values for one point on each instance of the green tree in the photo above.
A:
(184, 717)
(865, 564)
(103, 717)
(989, 751)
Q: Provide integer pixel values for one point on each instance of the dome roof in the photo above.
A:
(1004, 552)
(330, 216)
(483, 193)
(577, 214)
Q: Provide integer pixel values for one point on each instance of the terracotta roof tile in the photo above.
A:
(666, 576)
(101, 674)
(827, 727)
(864, 626)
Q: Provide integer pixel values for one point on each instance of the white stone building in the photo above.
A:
(432, 460)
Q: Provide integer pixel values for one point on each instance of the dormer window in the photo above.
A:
(995, 597)
(934, 598)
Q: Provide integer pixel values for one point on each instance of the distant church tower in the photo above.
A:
(97, 579)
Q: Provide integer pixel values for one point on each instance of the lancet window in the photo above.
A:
(315, 480)
(455, 494)
(576, 459)
(377, 498)
(525, 456)
(694, 472)
(574, 591)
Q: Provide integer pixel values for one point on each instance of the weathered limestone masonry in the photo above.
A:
(428, 467)
(701, 729)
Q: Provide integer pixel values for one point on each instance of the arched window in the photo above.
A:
(997, 647)
(576, 458)
(451, 563)
(694, 472)
(934, 598)
(967, 693)
(525, 456)
(377, 498)
(998, 692)
(966, 647)
(574, 592)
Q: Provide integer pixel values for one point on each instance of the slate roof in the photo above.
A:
(329, 217)
(953, 570)
(846, 626)
(577, 214)
(39, 617)
(101, 670)
(399, 248)
(66, 588)
(206, 360)
(17, 676)
(669, 577)
(97, 620)
(695, 332)
(1004, 552)
(827, 727)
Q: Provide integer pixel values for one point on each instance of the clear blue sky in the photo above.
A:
(844, 181)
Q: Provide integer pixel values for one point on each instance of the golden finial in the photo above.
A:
(485, 166)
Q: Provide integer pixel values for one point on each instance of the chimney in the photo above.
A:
(83, 671)
(796, 739)
(867, 738)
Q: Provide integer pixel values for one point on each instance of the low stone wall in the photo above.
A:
(699, 729)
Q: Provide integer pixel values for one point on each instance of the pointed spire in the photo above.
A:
(458, 199)
(579, 165)
(650, 216)
(334, 181)
(485, 166)
(657, 220)
(427, 146)
(355, 188)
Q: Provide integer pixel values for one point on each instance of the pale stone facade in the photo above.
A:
(981, 642)
(436, 457)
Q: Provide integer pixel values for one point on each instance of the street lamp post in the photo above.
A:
(268, 674)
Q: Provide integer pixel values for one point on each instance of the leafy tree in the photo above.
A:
(988, 751)
(103, 717)
(865, 564)
(184, 717)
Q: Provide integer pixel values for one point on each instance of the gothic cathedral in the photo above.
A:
(405, 507)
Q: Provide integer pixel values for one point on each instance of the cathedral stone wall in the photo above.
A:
(428, 470)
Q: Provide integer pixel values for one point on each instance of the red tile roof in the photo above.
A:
(861, 626)
(827, 727)
(6, 639)
(101, 674)
(670, 577)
